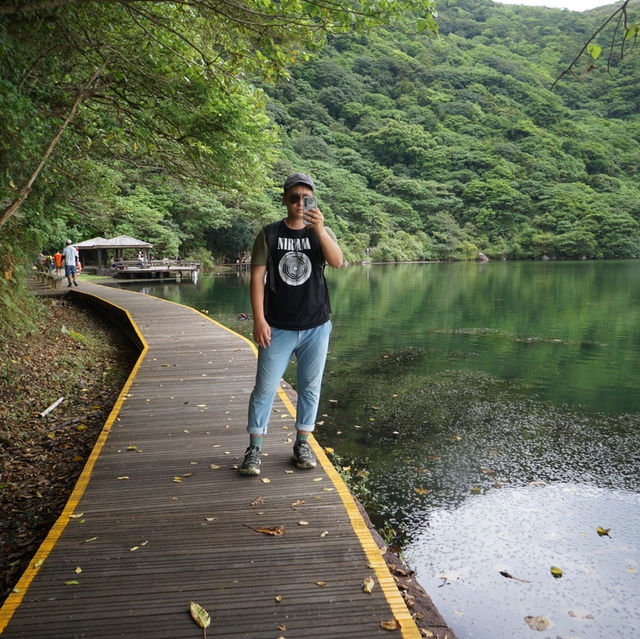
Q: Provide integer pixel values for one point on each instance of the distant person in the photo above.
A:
(57, 258)
(70, 255)
(291, 316)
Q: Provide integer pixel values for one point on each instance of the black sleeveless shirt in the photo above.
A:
(296, 293)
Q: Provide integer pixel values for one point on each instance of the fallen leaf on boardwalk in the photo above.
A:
(603, 532)
(264, 480)
(556, 572)
(187, 475)
(288, 472)
(214, 466)
(88, 541)
(328, 450)
(257, 501)
(278, 598)
(508, 575)
(78, 570)
(124, 477)
(76, 515)
(134, 548)
(282, 627)
(327, 490)
(303, 523)
(317, 479)
(324, 533)
(368, 584)
(177, 480)
(538, 623)
(322, 584)
(132, 447)
(275, 531)
(200, 616)
(38, 563)
(390, 624)
(295, 504)
(421, 491)
(73, 582)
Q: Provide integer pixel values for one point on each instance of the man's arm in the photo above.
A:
(261, 330)
(332, 252)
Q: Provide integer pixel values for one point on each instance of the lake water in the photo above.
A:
(488, 417)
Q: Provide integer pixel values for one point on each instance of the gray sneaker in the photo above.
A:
(251, 463)
(303, 456)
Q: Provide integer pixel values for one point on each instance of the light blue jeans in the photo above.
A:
(310, 348)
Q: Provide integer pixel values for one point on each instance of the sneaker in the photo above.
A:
(303, 456)
(251, 463)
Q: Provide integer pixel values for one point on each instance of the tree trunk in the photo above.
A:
(26, 189)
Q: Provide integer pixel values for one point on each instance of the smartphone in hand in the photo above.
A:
(308, 202)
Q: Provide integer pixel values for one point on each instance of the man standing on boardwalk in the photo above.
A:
(291, 308)
(70, 254)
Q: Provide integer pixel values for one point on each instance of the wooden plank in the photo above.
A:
(176, 529)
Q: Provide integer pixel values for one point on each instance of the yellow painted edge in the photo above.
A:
(14, 599)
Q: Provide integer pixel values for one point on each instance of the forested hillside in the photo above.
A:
(422, 147)
(438, 149)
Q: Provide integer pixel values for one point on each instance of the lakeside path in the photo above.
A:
(160, 516)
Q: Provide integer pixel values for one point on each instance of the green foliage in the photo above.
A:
(461, 141)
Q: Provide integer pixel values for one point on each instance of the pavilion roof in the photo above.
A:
(120, 242)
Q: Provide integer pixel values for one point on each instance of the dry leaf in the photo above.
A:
(264, 480)
(324, 533)
(303, 523)
(257, 501)
(214, 466)
(538, 623)
(278, 598)
(177, 480)
(603, 532)
(368, 584)
(556, 572)
(78, 570)
(421, 491)
(124, 477)
(322, 584)
(73, 582)
(390, 624)
(275, 531)
(76, 515)
(295, 504)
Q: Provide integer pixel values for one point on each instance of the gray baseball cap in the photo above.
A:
(299, 178)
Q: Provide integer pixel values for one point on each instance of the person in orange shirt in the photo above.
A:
(57, 257)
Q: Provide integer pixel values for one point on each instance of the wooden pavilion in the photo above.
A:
(94, 252)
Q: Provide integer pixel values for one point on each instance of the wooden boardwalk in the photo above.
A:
(160, 516)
